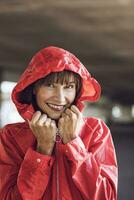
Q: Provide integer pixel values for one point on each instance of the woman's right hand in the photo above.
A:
(44, 130)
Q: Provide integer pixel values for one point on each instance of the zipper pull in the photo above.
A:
(58, 138)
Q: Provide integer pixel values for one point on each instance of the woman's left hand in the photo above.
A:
(70, 123)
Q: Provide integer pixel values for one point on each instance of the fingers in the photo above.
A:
(39, 119)
(47, 122)
(70, 113)
(53, 123)
(35, 117)
(63, 115)
(42, 119)
(75, 110)
(61, 120)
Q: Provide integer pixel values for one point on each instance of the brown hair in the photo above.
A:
(27, 96)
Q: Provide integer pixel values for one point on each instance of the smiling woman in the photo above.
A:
(54, 98)
(57, 153)
(65, 84)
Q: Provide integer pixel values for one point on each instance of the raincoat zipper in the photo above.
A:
(58, 140)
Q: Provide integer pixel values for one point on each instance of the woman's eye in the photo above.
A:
(70, 86)
(50, 85)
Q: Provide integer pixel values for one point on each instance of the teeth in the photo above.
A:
(56, 107)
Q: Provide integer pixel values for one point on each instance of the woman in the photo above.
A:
(56, 154)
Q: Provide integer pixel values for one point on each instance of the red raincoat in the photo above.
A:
(83, 169)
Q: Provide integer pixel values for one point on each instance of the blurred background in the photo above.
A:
(101, 34)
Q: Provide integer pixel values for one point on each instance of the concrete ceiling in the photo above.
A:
(99, 32)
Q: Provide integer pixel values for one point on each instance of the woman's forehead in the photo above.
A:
(62, 78)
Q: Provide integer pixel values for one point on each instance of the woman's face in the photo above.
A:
(54, 98)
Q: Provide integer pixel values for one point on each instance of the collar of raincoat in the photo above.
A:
(54, 59)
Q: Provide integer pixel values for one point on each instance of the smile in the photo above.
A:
(55, 107)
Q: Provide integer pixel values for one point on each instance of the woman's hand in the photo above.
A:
(44, 130)
(70, 123)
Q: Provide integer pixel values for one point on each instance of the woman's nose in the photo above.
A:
(60, 95)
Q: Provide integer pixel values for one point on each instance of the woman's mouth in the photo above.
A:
(56, 107)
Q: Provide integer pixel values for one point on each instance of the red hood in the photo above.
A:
(54, 59)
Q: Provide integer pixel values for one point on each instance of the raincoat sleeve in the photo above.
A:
(22, 177)
(94, 169)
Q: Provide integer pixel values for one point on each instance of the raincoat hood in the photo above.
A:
(54, 59)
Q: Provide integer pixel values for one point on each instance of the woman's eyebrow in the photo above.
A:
(71, 82)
